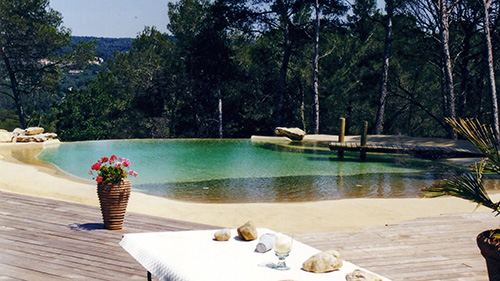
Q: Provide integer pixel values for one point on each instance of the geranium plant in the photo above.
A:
(112, 169)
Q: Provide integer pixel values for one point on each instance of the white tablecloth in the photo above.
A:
(196, 256)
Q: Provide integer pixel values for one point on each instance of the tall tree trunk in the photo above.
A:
(316, 69)
(379, 123)
(219, 96)
(491, 72)
(14, 86)
(447, 67)
(303, 108)
(287, 50)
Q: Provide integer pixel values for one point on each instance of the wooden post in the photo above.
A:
(340, 152)
(364, 138)
(342, 129)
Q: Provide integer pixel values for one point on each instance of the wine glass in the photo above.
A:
(282, 248)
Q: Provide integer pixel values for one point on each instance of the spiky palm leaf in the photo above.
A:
(470, 186)
(482, 137)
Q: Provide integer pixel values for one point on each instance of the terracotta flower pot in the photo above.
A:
(113, 198)
(490, 249)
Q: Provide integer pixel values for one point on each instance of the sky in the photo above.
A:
(115, 18)
(112, 18)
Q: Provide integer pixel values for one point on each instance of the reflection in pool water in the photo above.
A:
(245, 171)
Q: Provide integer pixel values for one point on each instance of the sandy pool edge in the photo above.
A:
(298, 217)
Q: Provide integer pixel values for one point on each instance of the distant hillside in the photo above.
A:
(107, 46)
(76, 79)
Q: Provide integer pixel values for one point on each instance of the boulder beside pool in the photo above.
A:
(31, 131)
(31, 134)
(291, 133)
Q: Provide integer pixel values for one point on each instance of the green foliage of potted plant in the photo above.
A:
(113, 189)
(470, 186)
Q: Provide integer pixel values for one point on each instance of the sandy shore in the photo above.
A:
(22, 173)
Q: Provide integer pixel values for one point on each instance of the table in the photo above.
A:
(196, 256)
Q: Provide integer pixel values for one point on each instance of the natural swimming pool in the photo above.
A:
(244, 171)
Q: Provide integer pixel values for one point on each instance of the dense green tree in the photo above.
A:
(436, 16)
(30, 36)
(332, 10)
(208, 64)
(283, 20)
(235, 68)
(141, 87)
(86, 114)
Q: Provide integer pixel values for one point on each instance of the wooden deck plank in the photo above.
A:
(42, 239)
(435, 248)
(433, 152)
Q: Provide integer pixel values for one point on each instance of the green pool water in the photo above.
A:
(246, 171)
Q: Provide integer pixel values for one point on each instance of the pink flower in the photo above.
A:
(96, 166)
(120, 169)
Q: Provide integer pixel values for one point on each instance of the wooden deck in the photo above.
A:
(429, 152)
(431, 248)
(42, 239)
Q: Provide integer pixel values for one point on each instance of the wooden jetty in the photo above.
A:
(428, 152)
(422, 151)
(45, 239)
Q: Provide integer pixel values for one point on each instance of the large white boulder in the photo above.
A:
(36, 138)
(291, 133)
(34, 131)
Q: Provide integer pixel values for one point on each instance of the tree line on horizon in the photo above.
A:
(232, 68)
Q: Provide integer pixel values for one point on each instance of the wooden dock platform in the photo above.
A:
(44, 239)
(428, 152)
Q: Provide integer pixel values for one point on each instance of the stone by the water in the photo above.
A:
(291, 133)
(6, 136)
(360, 275)
(34, 131)
(248, 231)
(36, 138)
(31, 134)
(323, 262)
(222, 235)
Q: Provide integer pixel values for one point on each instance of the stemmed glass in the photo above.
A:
(282, 248)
